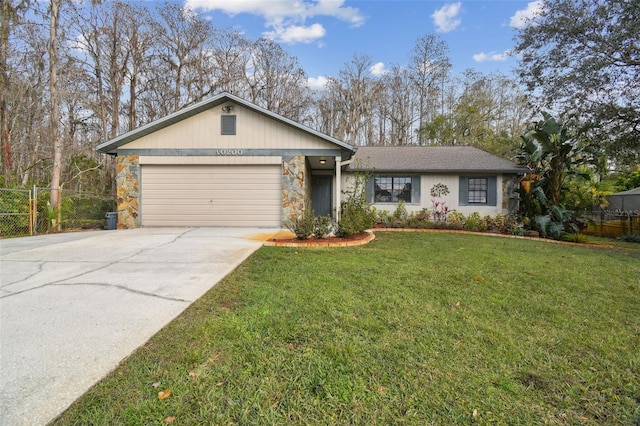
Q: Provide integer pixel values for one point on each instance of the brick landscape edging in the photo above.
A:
(321, 243)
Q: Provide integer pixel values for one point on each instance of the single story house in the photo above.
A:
(227, 162)
(464, 178)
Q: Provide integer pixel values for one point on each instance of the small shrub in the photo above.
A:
(357, 215)
(496, 223)
(573, 237)
(353, 222)
(322, 226)
(303, 225)
(476, 223)
(417, 222)
(456, 220)
(422, 215)
(518, 230)
(400, 215)
(439, 211)
(630, 238)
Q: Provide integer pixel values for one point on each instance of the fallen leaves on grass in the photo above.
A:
(170, 419)
(164, 394)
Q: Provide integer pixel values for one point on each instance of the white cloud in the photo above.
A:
(447, 18)
(317, 83)
(286, 18)
(523, 17)
(492, 56)
(378, 69)
(297, 34)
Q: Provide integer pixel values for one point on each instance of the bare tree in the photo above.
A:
(399, 108)
(350, 99)
(184, 54)
(9, 13)
(231, 55)
(275, 79)
(428, 70)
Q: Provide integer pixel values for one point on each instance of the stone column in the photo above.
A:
(128, 183)
(293, 187)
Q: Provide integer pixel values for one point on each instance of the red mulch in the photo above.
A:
(313, 240)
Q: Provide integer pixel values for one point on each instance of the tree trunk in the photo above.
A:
(5, 138)
(56, 171)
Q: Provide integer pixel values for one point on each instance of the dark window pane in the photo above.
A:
(478, 190)
(391, 189)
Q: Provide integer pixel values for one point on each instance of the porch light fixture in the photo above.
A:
(323, 162)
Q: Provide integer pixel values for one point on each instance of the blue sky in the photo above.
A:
(325, 34)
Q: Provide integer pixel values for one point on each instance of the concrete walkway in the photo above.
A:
(72, 306)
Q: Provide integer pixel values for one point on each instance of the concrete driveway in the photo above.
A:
(72, 306)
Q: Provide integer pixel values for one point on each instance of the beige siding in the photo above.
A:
(253, 131)
(211, 160)
(210, 195)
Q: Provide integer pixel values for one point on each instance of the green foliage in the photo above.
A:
(302, 225)
(476, 223)
(581, 57)
(556, 223)
(585, 193)
(14, 213)
(322, 226)
(552, 150)
(475, 118)
(574, 238)
(456, 220)
(400, 214)
(630, 238)
(630, 181)
(357, 215)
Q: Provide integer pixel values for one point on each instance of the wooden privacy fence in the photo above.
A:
(617, 223)
(28, 212)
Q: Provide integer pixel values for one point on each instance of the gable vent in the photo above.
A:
(228, 124)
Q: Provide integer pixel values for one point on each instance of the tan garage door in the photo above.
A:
(195, 195)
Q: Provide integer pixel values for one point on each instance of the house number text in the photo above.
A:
(229, 151)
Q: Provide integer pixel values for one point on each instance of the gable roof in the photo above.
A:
(111, 146)
(444, 159)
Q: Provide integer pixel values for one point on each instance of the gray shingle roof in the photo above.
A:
(431, 159)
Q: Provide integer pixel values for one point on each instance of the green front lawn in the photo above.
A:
(413, 328)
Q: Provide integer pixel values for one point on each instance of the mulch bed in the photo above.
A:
(354, 240)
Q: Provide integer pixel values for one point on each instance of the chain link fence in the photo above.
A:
(29, 212)
(15, 212)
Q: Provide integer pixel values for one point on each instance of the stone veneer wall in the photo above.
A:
(128, 184)
(293, 187)
(510, 185)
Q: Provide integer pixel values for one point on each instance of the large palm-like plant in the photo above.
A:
(552, 150)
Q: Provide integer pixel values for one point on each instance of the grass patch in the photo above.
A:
(409, 329)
